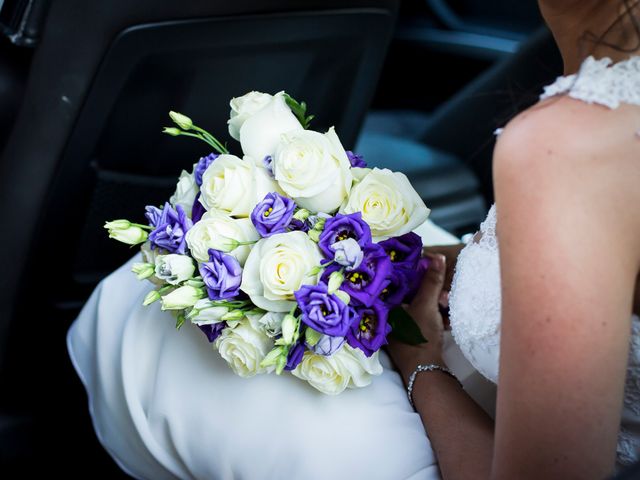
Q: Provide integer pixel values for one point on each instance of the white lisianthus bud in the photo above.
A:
(181, 298)
(174, 268)
(335, 281)
(143, 270)
(126, 232)
(206, 312)
(344, 296)
(181, 120)
(311, 336)
(272, 357)
(152, 296)
(233, 315)
(302, 214)
(289, 329)
(174, 132)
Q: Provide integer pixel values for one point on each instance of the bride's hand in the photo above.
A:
(425, 310)
(451, 253)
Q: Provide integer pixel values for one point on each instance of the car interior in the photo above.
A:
(418, 86)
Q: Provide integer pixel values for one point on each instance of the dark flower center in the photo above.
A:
(367, 322)
(344, 234)
(396, 256)
(358, 278)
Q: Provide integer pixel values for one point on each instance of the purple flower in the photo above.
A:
(342, 227)
(222, 275)
(170, 227)
(328, 345)
(356, 160)
(300, 225)
(324, 312)
(201, 166)
(198, 210)
(213, 330)
(404, 251)
(273, 214)
(370, 333)
(365, 283)
(413, 278)
(295, 356)
(396, 287)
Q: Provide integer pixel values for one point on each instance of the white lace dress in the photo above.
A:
(475, 301)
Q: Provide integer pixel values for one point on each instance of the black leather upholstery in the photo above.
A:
(86, 144)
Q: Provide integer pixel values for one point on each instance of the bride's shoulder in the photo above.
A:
(561, 136)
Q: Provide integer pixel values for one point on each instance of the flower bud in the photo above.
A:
(335, 280)
(143, 270)
(272, 357)
(344, 296)
(233, 315)
(314, 235)
(125, 232)
(311, 336)
(302, 214)
(174, 132)
(152, 296)
(181, 120)
(181, 298)
(289, 329)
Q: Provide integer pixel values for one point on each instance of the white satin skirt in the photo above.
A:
(166, 406)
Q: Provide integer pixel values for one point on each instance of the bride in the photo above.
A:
(566, 175)
(559, 333)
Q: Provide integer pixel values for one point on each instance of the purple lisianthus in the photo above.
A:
(213, 330)
(365, 283)
(328, 345)
(396, 287)
(170, 227)
(370, 333)
(201, 166)
(222, 275)
(342, 227)
(295, 356)
(198, 210)
(273, 214)
(356, 160)
(404, 251)
(324, 312)
(413, 278)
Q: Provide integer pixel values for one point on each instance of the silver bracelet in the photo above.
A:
(427, 368)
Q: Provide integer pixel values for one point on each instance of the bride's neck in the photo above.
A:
(593, 27)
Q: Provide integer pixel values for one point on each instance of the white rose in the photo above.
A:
(261, 132)
(174, 269)
(271, 323)
(388, 202)
(278, 266)
(313, 169)
(243, 107)
(235, 186)
(347, 368)
(185, 193)
(221, 232)
(244, 347)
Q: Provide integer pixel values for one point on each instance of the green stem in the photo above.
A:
(213, 141)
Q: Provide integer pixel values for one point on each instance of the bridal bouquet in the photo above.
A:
(290, 257)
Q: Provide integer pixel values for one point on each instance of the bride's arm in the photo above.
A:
(566, 183)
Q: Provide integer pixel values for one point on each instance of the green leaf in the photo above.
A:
(180, 321)
(404, 328)
(299, 110)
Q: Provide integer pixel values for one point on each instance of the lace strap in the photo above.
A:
(602, 82)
